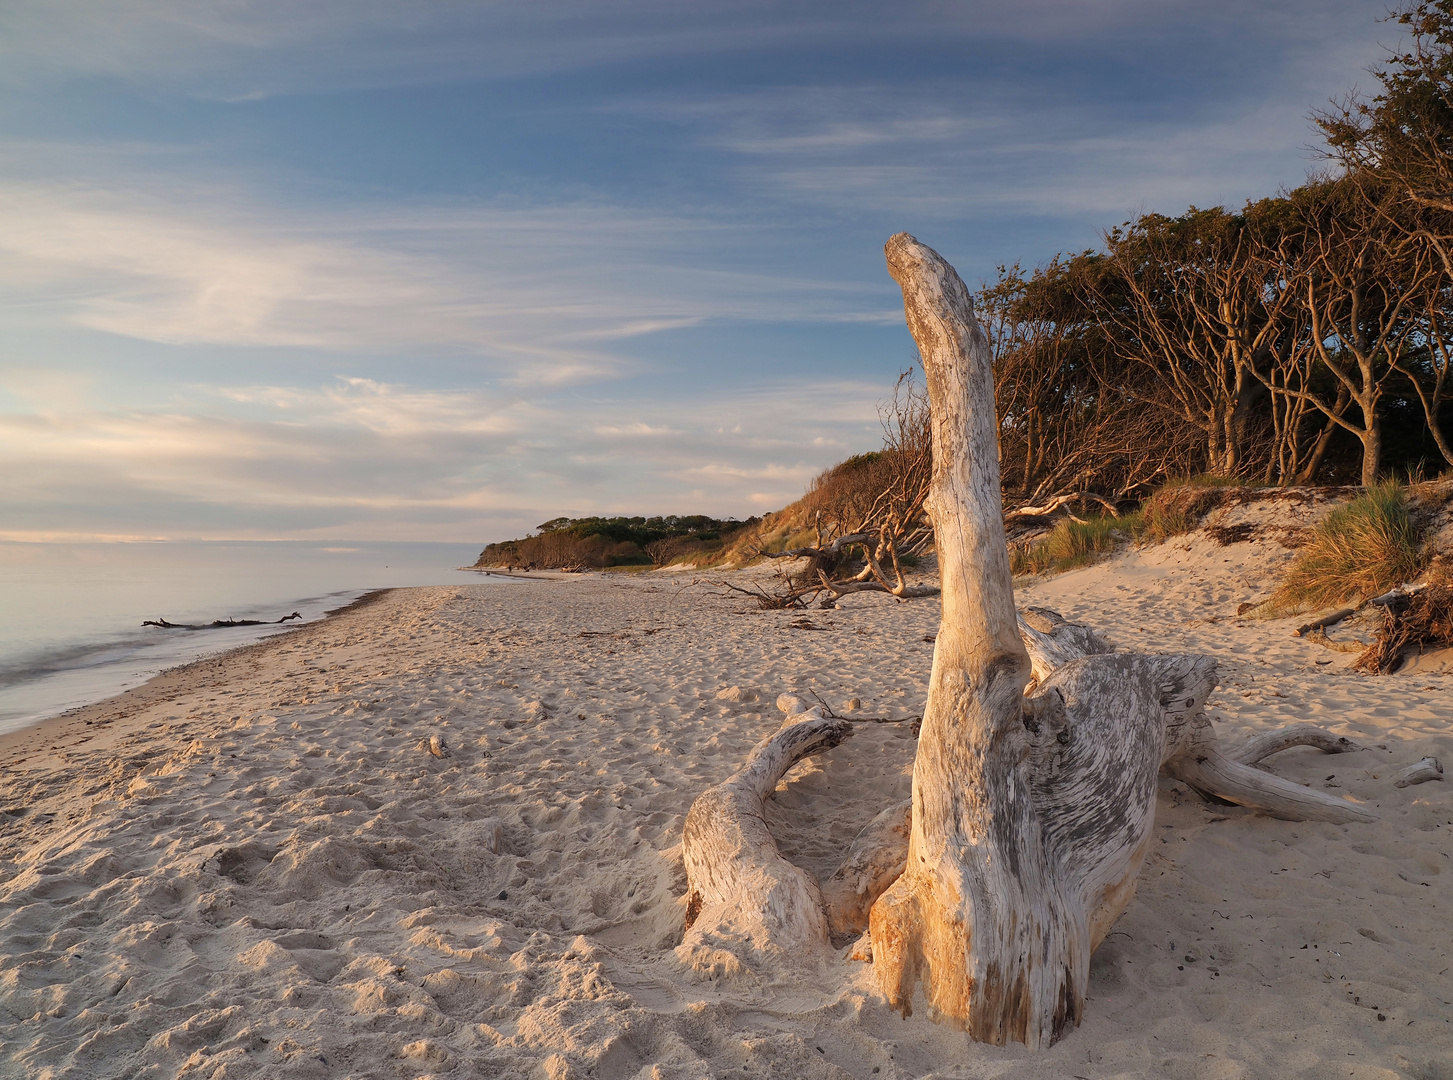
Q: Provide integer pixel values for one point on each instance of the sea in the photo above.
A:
(71, 614)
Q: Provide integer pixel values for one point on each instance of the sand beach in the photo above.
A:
(439, 835)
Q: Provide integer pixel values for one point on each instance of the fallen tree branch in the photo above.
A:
(835, 548)
(1058, 502)
(772, 601)
(828, 712)
(219, 624)
(1419, 621)
(839, 589)
(1419, 772)
(1325, 621)
(1039, 511)
(1267, 743)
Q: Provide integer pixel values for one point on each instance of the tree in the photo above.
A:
(1396, 149)
(1362, 282)
(1073, 422)
(1189, 300)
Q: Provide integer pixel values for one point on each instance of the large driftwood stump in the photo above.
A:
(1034, 786)
(1030, 815)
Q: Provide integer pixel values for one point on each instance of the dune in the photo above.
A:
(439, 835)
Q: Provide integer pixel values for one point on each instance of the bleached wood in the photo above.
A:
(1420, 772)
(1264, 745)
(1206, 769)
(1192, 755)
(874, 861)
(740, 888)
(840, 589)
(1052, 641)
(1030, 816)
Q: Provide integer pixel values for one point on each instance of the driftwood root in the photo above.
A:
(740, 888)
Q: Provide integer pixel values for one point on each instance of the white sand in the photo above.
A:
(250, 867)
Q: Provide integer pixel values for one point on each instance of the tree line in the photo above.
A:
(596, 542)
(1303, 338)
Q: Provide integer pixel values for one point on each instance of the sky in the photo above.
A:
(443, 270)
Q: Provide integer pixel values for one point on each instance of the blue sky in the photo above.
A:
(444, 270)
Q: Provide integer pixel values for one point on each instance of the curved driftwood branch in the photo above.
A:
(740, 888)
(1213, 774)
(1267, 743)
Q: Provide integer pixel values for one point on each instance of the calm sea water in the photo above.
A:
(71, 614)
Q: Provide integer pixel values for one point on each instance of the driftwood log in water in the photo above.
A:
(220, 624)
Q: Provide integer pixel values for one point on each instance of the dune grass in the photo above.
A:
(1358, 551)
(1070, 544)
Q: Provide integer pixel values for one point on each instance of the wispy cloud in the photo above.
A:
(939, 149)
(241, 50)
(547, 295)
(540, 292)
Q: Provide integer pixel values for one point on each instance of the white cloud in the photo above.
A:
(365, 459)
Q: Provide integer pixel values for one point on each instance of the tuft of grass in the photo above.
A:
(1070, 544)
(1358, 551)
(1178, 508)
(1212, 480)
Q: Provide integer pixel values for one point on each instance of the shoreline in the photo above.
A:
(39, 730)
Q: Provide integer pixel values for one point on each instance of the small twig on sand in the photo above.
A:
(827, 711)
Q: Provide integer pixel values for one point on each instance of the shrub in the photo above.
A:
(1358, 551)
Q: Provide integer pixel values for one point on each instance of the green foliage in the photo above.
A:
(1358, 551)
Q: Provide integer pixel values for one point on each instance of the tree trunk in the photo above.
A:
(978, 914)
(1309, 472)
(1371, 447)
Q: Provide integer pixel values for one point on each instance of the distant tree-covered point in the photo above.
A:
(599, 542)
